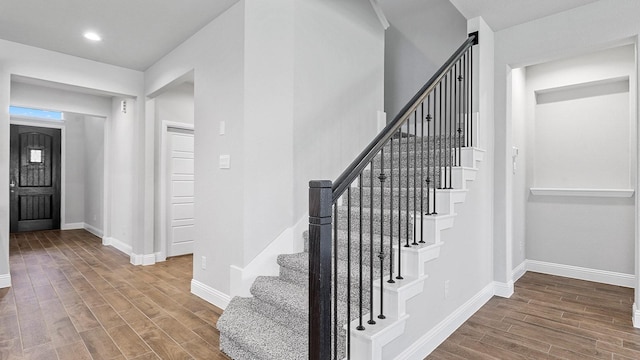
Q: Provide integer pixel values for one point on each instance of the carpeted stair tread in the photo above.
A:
(283, 294)
(366, 243)
(258, 335)
(300, 263)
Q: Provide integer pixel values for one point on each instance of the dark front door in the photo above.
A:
(34, 182)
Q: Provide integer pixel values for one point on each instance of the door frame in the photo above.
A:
(164, 140)
(59, 124)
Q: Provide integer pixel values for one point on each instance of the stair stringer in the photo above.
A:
(368, 344)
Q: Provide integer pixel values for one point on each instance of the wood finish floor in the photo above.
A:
(73, 298)
(549, 317)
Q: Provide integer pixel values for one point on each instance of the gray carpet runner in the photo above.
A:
(273, 324)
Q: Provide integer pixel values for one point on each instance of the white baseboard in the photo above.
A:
(5, 281)
(501, 289)
(519, 271)
(575, 272)
(72, 226)
(210, 294)
(636, 316)
(265, 264)
(431, 340)
(92, 229)
(144, 260)
(122, 246)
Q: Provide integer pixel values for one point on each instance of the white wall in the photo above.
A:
(578, 31)
(122, 164)
(269, 70)
(336, 96)
(421, 37)
(26, 61)
(268, 123)
(579, 142)
(74, 169)
(216, 55)
(84, 144)
(94, 173)
(465, 259)
(519, 162)
(174, 104)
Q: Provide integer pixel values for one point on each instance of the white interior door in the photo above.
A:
(180, 207)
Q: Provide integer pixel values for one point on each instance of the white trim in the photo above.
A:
(636, 316)
(575, 272)
(106, 180)
(122, 246)
(159, 257)
(519, 271)
(612, 193)
(5, 281)
(144, 260)
(94, 230)
(71, 226)
(378, 9)
(504, 290)
(431, 340)
(59, 124)
(163, 181)
(265, 263)
(210, 294)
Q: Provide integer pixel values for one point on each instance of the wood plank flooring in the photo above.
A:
(549, 317)
(73, 298)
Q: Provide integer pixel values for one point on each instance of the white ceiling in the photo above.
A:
(501, 14)
(135, 33)
(138, 33)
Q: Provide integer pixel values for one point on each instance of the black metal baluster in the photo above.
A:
(460, 109)
(382, 179)
(415, 173)
(428, 156)
(436, 95)
(440, 140)
(471, 96)
(335, 281)
(348, 275)
(450, 135)
(421, 171)
(391, 189)
(466, 100)
(399, 276)
(443, 139)
(407, 183)
(454, 143)
(371, 216)
(360, 326)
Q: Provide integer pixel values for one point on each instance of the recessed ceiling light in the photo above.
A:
(92, 36)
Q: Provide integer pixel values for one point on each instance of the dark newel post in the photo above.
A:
(320, 203)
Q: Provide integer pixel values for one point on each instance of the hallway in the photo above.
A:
(73, 298)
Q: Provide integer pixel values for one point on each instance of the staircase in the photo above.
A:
(386, 215)
(273, 324)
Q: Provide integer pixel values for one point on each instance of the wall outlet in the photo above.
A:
(203, 263)
(446, 288)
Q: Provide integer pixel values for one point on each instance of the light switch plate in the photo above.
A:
(225, 161)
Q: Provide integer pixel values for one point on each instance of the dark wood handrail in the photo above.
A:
(357, 166)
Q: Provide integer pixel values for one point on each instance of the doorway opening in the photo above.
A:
(173, 113)
(35, 178)
(574, 166)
